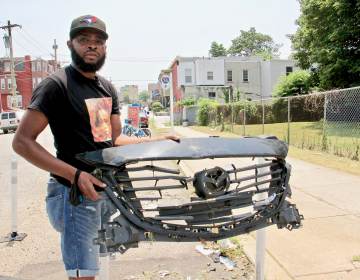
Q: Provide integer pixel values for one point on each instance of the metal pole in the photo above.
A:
(171, 104)
(261, 233)
(289, 116)
(12, 67)
(13, 195)
(55, 47)
(244, 126)
(231, 93)
(13, 235)
(263, 115)
(324, 121)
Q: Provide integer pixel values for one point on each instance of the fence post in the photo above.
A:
(244, 122)
(232, 116)
(289, 116)
(263, 116)
(324, 120)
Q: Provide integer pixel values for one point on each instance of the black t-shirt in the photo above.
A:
(78, 113)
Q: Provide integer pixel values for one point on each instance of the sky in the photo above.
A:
(146, 35)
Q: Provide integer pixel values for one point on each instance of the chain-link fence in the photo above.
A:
(326, 121)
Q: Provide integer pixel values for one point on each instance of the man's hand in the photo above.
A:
(86, 184)
(173, 137)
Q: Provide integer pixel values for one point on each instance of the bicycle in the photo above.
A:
(129, 130)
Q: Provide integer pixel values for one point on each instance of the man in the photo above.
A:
(83, 113)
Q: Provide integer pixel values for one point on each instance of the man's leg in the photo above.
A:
(81, 224)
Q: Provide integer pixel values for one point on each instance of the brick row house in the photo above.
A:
(28, 74)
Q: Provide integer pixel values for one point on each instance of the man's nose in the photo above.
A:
(92, 46)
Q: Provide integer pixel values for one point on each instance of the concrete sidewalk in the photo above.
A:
(330, 237)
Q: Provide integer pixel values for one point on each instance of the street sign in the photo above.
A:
(165, 81)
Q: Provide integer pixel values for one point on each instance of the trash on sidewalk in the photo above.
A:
(216, 256)
(226, 244)
(204, 251)
(229, 264)
(163, 273)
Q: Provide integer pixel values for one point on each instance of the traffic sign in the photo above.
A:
(165, 81)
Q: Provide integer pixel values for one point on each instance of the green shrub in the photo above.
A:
(295, 83)
(206, 107)
(156, 107)
(187, 102)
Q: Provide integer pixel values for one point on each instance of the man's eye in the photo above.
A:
(83, 40)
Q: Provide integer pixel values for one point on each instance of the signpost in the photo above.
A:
(166, 83)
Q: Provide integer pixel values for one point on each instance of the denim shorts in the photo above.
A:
(78, 226)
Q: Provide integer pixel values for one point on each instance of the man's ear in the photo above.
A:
(69, 44)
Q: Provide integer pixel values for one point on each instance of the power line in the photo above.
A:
(34, 40)
(42, 51)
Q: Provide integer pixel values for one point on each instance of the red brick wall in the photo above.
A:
(175, 84)
(24, 82)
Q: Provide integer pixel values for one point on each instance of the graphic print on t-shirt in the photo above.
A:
(99, 111)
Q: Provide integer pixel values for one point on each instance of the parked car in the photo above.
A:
(143, 119)
(8, 121)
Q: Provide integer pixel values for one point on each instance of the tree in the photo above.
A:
(295, 83)
(217, 49)
(327, 40)
(144, 96)
(250, 43)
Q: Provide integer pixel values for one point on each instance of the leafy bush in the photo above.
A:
(206, 107)
(295, 83)
(187, 102)
(156, 107)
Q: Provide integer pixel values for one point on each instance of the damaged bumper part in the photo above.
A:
(222, 201)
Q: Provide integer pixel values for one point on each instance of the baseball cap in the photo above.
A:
(87, 22)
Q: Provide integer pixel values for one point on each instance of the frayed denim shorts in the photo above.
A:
(78, 226)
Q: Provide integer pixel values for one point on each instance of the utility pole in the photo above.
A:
(12, 68)
(55, 47)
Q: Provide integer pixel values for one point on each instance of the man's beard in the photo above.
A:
(86, 67)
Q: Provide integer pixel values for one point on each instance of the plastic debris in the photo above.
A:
(226, 244)
(229, 264)
(163, 273)
(204, 251)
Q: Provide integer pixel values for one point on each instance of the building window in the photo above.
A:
(6, 66)
(9, 83)
(39, 66)
(210, 75)
(212, 95)
(289, 70)
(229, 76)
(19, 66)
(245, 76)
(33, 66)
(2, 82)
(188, 77)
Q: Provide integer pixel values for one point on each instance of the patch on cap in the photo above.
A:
(89, 20)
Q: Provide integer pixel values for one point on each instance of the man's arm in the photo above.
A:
(120, 140)
(24, 143)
